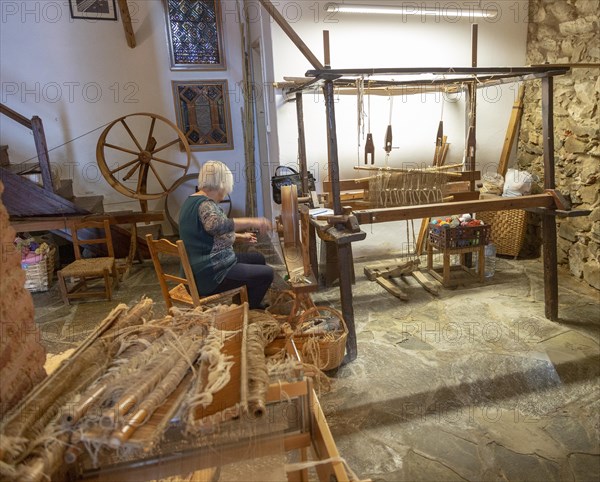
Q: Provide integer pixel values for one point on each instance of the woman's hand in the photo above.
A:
(245, 237)
(263, 225)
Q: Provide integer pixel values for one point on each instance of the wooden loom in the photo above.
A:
(461, 79)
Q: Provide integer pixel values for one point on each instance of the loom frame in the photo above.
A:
(324, 77)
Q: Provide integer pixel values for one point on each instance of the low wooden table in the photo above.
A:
(446, 269)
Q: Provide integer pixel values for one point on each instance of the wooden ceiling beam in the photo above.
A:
(127, 26)
(291, 33)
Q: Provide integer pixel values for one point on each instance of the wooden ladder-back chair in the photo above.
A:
(86, 269)
(188, 296)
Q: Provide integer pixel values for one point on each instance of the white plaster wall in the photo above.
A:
(363, 41)
(79, 75)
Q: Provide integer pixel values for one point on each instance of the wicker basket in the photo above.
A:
(508, 230)
(281, 305)
(443, 237)
(324, 350)
(38, 276)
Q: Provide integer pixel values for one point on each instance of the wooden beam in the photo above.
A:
(511, 132)
(549, 221)
(382, 215)
(14, 115)
(65, 222)
(392, 288)
(127, 26)
(474, 32)
(326, 49)
(291, 33)
(515, 71)
(42, 152)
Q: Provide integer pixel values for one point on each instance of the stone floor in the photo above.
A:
(472, 385)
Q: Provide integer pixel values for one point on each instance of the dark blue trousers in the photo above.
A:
(250, 270)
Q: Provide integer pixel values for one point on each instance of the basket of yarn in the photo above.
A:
(458, 232)
(320, 335)
(37, 260)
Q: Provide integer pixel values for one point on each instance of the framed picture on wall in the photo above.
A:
(194, 34)
(202, 110)
(93, 9)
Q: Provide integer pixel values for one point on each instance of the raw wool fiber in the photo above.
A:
(388, 188)
(126, 362)
(39, 409)
(144, 362)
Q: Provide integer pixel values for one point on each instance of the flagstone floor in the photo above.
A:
(475, 384)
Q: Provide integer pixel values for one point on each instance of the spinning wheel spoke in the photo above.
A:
(162, 184)
(131, 134)
(149, 140)
(157, 159)
(124, 166)
(168, 144)
(119, 148)
(131, 172)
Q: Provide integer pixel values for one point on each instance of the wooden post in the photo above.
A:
(346, 264)
(42, 152)
(474, 32)
(549, 221)
(511, 132)
(302, 143)
(326, 49)
(127, 26)
(472, 109)
(312, 245)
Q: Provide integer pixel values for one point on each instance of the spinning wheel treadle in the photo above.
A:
(146, 158)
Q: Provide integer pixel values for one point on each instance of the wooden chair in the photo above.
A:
(188, 296)
(124, 264)
(86, 269)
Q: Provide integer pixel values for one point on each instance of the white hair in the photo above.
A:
(215, 176)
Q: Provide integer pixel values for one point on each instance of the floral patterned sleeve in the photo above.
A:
(214, 220)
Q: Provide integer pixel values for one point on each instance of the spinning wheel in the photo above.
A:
(114, 153)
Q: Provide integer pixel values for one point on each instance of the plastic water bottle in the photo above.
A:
(490, 260)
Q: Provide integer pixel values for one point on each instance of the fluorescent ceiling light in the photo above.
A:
(412, 9)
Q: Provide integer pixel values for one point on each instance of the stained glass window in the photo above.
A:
(203, 113)
(194, 32)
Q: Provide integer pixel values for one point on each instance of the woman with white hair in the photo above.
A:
(208, 235)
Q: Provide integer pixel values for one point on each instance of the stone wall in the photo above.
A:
(22, 356)
(567, 31)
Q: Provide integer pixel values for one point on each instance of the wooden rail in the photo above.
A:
(14, 115)
(382, 215)
(39, 138)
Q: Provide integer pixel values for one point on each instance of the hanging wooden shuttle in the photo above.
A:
(369, 149)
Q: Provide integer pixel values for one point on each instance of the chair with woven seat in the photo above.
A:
(185, 291)
(88, 269)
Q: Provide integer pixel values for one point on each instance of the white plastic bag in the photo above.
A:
(517, 183)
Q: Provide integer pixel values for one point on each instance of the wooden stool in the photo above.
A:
(446, 268)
